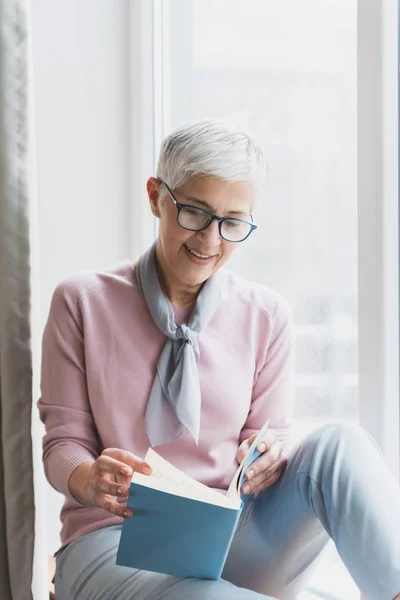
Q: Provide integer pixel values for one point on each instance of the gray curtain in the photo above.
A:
(17, 513)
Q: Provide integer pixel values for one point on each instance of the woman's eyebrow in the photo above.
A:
(210, 209)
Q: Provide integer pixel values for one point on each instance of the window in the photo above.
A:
(305, 78)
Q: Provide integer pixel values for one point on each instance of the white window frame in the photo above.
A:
(144, 89)
(378, 200)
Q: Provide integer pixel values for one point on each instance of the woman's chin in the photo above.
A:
(193, 282)
(194, 277)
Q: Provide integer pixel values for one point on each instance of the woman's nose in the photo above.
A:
(210, 235)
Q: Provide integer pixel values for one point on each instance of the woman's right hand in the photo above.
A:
(105, 483)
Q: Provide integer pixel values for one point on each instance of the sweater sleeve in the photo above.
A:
(71, 437)
(272, 396)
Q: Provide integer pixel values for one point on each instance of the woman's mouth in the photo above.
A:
(198, 257)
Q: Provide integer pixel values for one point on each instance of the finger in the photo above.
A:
(267, 478)
(264, 476)
(244, 446)
(265, 461)
(102, 486)
(268, 440)
(136, 463)
(269, 482)
(262, 484)
(280, 464)
(114, 507)
(107, 464)
(273, 454)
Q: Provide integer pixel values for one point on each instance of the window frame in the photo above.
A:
(144, 139)
(378, 235)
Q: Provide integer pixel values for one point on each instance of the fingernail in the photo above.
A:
(120, 491)
(146, 470)
(127, 513)
(250, 474)
(246, 489)
(262, 447)
(126, 472)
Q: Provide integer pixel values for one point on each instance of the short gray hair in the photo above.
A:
(212, 148)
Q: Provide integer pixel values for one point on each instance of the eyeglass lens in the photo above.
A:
(196, 218)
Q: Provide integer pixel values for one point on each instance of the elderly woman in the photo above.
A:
(175, 353)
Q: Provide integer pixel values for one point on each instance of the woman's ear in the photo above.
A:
(153, 192)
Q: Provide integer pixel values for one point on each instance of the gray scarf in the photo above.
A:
(175, 398)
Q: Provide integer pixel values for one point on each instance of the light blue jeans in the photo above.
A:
(336, 485)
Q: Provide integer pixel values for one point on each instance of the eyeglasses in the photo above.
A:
(196, 219)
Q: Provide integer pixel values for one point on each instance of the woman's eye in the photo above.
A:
(233, 224)
(194, 212)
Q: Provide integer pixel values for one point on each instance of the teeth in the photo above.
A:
(198, 255)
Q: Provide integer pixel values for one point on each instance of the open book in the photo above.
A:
(180, 526)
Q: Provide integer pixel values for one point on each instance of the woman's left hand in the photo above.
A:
(268, 468)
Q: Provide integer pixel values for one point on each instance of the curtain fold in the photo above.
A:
(17, 509)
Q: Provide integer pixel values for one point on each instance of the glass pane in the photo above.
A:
(286, 71)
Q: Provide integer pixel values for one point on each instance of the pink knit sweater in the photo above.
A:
(100, 351)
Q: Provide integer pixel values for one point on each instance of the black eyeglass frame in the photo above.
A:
(212, 218)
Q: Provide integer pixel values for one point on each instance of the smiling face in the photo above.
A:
(182, 271)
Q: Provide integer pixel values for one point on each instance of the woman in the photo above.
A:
(176, 353)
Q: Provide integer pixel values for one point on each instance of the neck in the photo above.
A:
(179, 295)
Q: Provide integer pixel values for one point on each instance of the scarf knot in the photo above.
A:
(184, 333)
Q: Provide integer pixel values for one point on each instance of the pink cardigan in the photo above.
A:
(100, 351)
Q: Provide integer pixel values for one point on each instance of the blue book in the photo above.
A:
(180, 526)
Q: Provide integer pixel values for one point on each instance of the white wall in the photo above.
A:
(81, 120)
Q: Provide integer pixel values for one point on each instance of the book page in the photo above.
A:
(167, 478)
(167, 471)
(185, 491)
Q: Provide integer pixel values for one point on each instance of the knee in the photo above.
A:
(336, 431)
(337, 437)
